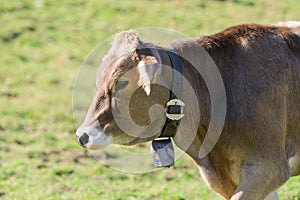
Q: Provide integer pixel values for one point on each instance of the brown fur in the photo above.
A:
(262, 85)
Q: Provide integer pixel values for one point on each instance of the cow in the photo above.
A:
(258, 149)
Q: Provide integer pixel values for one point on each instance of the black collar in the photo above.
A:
(177, 77)
(170, 127)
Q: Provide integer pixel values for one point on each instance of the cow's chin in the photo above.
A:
(129, 140)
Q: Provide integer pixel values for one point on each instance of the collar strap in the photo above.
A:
(174, 107)
(177, 77)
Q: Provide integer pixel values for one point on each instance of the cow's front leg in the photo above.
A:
(260, 178)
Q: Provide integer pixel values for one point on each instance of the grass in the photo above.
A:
(42, 45)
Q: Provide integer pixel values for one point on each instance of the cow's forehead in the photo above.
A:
(113, 68)
(123, 55)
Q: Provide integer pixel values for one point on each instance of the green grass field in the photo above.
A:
(42, 45)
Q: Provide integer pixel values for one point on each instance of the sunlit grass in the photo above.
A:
(42, 44)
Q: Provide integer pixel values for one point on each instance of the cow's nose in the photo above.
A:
(83, 139)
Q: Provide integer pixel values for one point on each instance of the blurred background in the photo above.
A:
(42, 45)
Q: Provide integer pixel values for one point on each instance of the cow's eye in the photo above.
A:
(121, 85)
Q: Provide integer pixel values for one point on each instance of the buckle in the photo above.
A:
(174, 109)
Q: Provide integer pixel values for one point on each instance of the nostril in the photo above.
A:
(84, 139)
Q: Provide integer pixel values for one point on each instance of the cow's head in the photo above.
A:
(120, 111)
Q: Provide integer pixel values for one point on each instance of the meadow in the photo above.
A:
(42, 45)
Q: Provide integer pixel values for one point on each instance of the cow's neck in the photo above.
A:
(192, 147)
(187, 139)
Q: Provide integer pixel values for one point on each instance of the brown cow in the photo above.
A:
(259, 147)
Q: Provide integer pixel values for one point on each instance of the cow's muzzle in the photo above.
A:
(92, 138)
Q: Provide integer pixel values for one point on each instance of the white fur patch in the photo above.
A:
(144, 80)
(244, 42)
(147, 88)
(97, 139)
(289, 24)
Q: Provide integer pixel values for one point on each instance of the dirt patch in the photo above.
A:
(9, 94)
(51, 158)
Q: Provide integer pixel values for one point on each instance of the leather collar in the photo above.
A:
(170, 127)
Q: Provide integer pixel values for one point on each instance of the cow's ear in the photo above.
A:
(148, 71)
